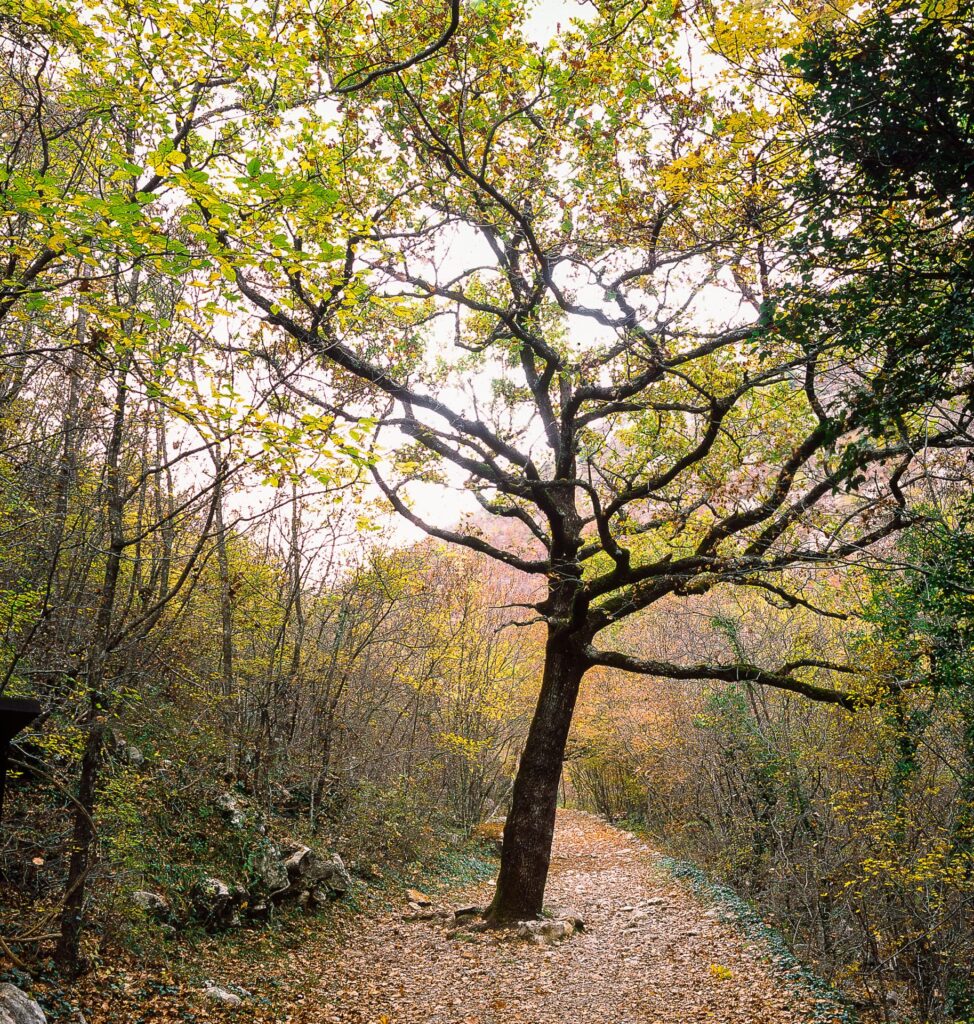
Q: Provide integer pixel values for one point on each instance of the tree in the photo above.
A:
(890, 139)
(603, 227)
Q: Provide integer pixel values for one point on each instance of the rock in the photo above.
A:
(320, 896)
(569, 914)
(132, 756)
(152, 904)
(215, 903)
(268, 871)
(419, 898)
(472, 911)
(339, 880)
(308, 871)
(226, 804)
(547, 932)
(223, 996)
(491, 832)
(16, 1007)
(123, 751)
(260, 911)
(421, 913)
(298, 862)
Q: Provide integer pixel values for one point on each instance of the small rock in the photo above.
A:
(421, 913)
(471, 911)
(226, 804)
(16, 1007)
(132, 756)
(569, 914)
(419, 898)
(152, 904)
(215, 903)
(218, 994)
(546, 932)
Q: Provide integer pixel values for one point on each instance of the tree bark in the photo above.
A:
(530, 826)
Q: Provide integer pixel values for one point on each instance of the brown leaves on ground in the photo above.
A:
(649, 954)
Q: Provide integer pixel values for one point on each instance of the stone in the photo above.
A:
(215, 903)
(132, 756)
(223, 996)
(491, 833)
(269, 872)
(339, 880)
(548, 932)
(152, 904)
(569, 914)
(16, 1007)
(226, 804)
(260, 911)
(471, 911)
(307, 871)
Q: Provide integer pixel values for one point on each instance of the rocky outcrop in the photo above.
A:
(16, 1007)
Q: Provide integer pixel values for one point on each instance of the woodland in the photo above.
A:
(422, 423)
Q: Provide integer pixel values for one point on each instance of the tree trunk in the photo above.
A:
(68, 952)
(530, 826)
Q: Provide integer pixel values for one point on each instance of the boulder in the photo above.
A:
(307, 871)
(339, 881)
(152, 904)
(226, 804)
(268, 871)
(215, 904)
(223, 996)
(16, 1007)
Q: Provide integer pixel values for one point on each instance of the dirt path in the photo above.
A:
(650, 954)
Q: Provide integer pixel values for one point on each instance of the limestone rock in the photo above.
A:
(309, 872)
(268, 870)
(547, 932)
(226, 804)
(223, 996)
(16, 1007)
(215, 903)
(152, 904)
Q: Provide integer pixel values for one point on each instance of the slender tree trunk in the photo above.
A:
(530, 826)
(82, 860)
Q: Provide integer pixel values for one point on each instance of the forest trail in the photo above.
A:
(650, 954)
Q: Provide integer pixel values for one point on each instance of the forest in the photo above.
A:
(486, 512)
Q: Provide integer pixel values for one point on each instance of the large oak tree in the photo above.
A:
(562, 277)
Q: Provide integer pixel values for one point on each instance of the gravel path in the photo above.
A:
(650, 954)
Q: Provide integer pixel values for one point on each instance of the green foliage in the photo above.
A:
(891, 143)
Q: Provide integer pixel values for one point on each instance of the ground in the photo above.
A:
(650, 953)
